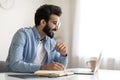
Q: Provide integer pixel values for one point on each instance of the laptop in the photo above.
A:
(88, 71)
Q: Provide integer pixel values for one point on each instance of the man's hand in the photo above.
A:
(61, 48)
(53, 66)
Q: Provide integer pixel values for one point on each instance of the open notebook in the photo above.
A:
(51, 73)
(89, 72)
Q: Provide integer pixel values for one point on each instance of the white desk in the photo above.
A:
(101, 75)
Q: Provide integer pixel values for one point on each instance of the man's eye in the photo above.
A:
(54, 23)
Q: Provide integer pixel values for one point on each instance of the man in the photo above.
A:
(34, 48)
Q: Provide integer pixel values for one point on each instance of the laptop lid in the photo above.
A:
(98, 62)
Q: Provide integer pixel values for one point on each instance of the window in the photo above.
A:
(99, 28)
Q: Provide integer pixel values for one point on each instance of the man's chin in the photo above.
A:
(51, 36)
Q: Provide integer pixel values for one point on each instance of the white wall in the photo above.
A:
(22, 15)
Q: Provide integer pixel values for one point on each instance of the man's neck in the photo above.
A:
(41, 33)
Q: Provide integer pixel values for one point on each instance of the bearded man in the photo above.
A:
(34, 48)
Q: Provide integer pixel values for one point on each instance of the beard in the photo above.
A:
(49, 32)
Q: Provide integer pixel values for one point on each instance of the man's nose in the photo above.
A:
(58, 25)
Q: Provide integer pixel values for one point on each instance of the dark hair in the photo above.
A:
(45, 11)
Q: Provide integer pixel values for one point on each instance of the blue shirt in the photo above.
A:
(23, 50)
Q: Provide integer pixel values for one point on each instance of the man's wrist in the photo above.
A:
(64, 55)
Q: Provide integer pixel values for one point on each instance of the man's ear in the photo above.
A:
(43, 22)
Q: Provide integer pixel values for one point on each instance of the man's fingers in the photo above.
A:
(61, 65)
(59, 46)
(58, 66)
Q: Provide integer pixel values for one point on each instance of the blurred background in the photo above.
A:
(88, 28)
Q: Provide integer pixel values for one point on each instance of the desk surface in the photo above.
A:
(101, 75)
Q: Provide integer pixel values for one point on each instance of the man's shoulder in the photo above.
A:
(24, 30)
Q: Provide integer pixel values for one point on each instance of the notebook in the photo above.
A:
(89, 72)
(52, 73)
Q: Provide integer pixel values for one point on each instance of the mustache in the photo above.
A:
(54, 29)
